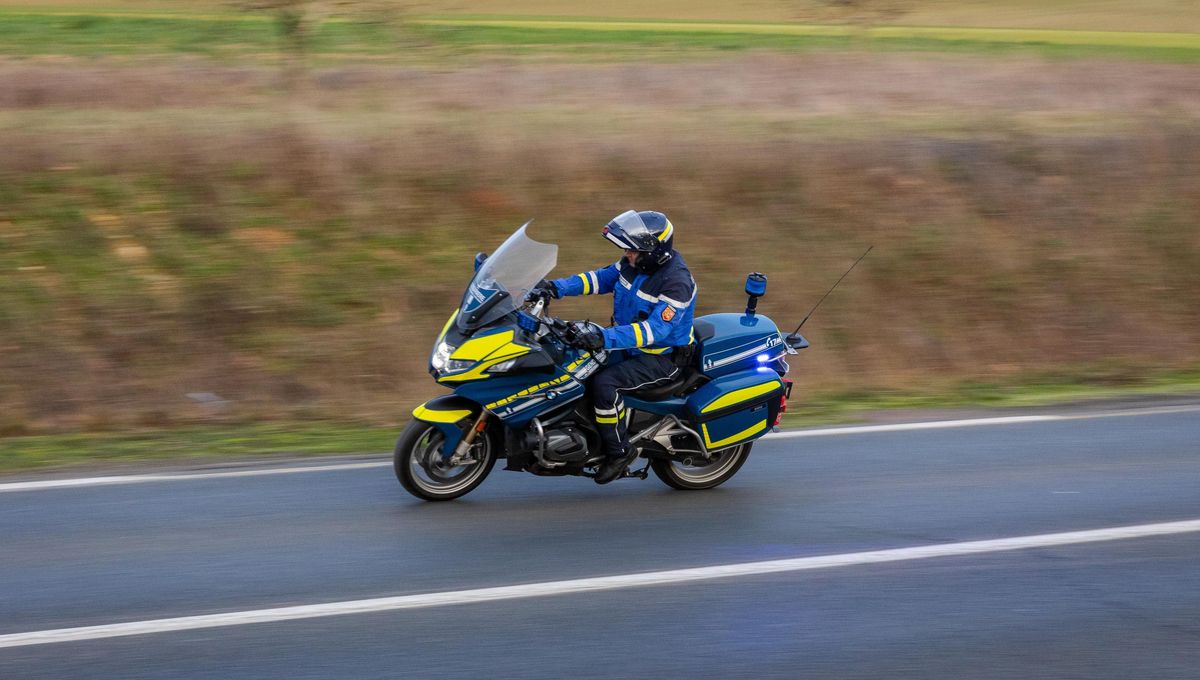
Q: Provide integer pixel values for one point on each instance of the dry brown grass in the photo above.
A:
(297, 260)
(787, 87)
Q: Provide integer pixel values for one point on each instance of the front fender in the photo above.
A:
(446, 413)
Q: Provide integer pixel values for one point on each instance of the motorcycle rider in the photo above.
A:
(654, 299)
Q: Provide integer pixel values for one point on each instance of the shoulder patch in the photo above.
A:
(668, 313)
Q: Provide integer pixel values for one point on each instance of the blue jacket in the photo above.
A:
(652, 312)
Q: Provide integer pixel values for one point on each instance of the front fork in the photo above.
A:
(464, 446)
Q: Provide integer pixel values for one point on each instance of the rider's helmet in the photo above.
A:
(647, 231)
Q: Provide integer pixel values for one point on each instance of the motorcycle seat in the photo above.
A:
(704, 330)
(687, 379)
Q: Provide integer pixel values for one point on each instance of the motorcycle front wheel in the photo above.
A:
(723, 466)
(423, 471)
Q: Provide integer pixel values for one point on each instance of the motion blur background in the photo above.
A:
(242, 213)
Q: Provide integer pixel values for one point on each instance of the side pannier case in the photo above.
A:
(737, 408)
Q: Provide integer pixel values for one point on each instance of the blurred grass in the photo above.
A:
(298, 270)
(182, 243)
(1095, 15)
(187, 444)
(1100, 382)
(232, 35)
(204, 443)
(23, 32)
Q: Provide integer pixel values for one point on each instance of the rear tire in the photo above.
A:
(421, 471)
(724, 466)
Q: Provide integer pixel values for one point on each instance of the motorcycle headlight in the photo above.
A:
(442, 363)
(441, 356)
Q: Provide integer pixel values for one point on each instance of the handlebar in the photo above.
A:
(566, 332)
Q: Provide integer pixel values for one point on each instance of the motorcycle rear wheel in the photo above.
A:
(724, 466)
(420, 468)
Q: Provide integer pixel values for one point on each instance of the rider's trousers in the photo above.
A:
(635, 372)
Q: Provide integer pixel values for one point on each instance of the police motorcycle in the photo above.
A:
(518, 390)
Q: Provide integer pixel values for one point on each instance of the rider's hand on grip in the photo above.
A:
(543, 290)
(586, 335)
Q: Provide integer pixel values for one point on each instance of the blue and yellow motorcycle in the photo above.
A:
(518, 390)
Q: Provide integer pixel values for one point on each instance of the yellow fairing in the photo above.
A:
(431, 416)
(744, 394)
(744, 434)
(480, 348)
(488, 350)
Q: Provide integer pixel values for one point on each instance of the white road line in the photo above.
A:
(1149, 411)
(141, 479)
(786, 434)
(588, 585)
(977, 422)
(902, 427)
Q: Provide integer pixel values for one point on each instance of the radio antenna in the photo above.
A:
(810, 312)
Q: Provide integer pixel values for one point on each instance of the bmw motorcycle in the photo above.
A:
(517, 382)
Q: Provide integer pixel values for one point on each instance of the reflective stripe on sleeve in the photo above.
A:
(649, 332)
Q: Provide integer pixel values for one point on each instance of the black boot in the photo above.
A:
(614, 466)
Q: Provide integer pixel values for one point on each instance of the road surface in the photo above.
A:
(846, 554)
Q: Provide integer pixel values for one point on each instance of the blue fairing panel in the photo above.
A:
(676, 406)
(730, 343)
(519, 398)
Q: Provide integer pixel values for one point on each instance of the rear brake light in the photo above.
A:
(787, 392)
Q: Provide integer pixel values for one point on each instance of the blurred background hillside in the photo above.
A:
(200, 222)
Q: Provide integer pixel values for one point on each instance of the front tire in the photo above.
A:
(422, 471)
(723, 467)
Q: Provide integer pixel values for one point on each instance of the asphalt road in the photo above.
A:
(96, 555)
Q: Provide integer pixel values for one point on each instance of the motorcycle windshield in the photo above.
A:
(500, 285)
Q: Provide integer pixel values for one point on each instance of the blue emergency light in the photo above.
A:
(756, 287)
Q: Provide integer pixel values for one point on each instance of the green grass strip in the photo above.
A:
(951, 34)
(1114, 383)
(206, 443)
(251, 36)
(112, 14)
(195, 443)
